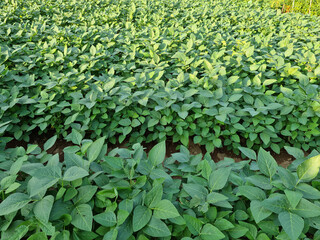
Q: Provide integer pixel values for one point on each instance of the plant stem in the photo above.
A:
(310, 6)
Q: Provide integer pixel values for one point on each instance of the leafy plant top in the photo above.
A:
(126, 194)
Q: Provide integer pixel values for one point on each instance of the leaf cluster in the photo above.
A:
(127, 194)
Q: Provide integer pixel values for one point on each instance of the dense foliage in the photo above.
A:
(301, 6)
(126, 195)
(217, 72)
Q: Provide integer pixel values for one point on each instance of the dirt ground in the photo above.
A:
(283, 159)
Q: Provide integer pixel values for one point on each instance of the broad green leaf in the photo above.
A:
(215, 197)
(43, 178)
(276, 203)
(234, 97)
(141, 217)
(195, 190)
(308, 191)
(38, 236)
(269, 227)
(210, 232)
(309, 169)
(252, 233)
(296, 152)
(248, 152)
(43, 208)
(154, 196)
(157, 154)
(165, 209)
(194, 225)
(292, 224)
(288, 179)
(122, 215)
(94, 149)
(238, 231)
(157, 228)
(219, 178)
(13, 203)
(293, 197)
(307, 209)
(252, 193)
(106, 219)
(85, 193)
(63, 235)
(126, 205)
(49, 143)
(260, 181)
(19, 233)
(82, 217)
(259, 212)
(76, 137)
(223, 224)
(266, 163)
(74, 173)
(111, 235)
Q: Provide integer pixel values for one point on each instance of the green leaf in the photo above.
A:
(238, 231)
(74, 173)
(76, 137)
(50, 142)
(223, 224)
(259, 212)
(94, 149)
(82, 217)
(122, 215)
(266, 163)
(308, 191)
(296, 152)
(195, 190)
(219, 178)
(287, 177)
(306, 209)
(13, 203)
(157, 153)
(43, 208)
(235, 97)
(293, 197)
(292, 224)
(111, 235)
(269, 227)
(260, 181)
(309, 169)
(19, 232)
(194, 225)
(38, 236)
(215, 197)
(276, 203)
(252, 193)
(210, 232)
(63, 235)
(125, 122)
(85, 194)
(165, 209)
(43, 178)
(106, 219)
(141, 217)
(126, 205)
(152, 122)
(248, 153)
(157, 228)
(154, 196)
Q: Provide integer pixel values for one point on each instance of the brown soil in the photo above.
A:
(283, 159)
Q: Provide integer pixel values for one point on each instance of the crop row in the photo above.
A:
(91, 194)
(217, 72)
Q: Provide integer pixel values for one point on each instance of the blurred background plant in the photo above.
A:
(303, 6)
